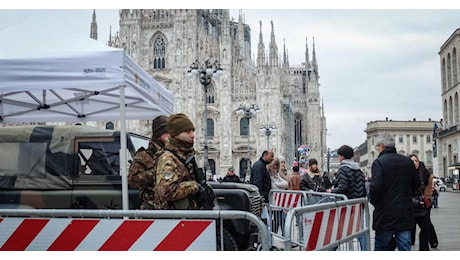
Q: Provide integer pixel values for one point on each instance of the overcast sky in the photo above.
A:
(372, 64)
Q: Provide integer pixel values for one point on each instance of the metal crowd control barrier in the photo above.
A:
(328, 226)
(281, 201)
(91, 230)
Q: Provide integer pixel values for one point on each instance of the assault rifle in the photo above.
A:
(205, 196)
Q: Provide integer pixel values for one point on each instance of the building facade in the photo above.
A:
(411, 137)
(448, 131)
(166, 42)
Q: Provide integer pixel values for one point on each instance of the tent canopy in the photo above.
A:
(51, 74)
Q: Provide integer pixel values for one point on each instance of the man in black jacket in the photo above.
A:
(261, 178)
(260, 175)
(394, 180)
(231, 177)
(350, 182)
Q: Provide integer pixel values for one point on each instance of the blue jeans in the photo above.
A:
(383, 240)
(363, 243)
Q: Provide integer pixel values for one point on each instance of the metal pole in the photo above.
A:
(206, 162)
(123, 154)
(205, 73)
(267, 133)
(248, 172)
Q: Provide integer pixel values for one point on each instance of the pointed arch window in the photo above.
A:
(159, 53)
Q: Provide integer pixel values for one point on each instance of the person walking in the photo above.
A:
(142, 170)
(394, 181)
(435, 194)
(231, 177)
(175, 182)
(421, 209)
(350, 182)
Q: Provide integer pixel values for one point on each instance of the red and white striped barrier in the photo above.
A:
(66, 234)
(286, 200)
(322, 228)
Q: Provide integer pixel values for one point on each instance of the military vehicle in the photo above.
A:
(77, 167)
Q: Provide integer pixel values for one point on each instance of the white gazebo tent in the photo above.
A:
(48, 73)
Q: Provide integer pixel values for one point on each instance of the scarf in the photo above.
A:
(184, 149)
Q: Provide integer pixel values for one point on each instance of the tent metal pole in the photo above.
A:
(123, 145)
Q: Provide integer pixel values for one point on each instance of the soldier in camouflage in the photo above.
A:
(175, 182)
(142, 170)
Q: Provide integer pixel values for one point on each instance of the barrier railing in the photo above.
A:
(90, 230)
(328, 226)
(281, 201)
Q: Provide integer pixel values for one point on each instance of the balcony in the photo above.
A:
(446, 132)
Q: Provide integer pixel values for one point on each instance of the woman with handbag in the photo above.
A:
(421, 206)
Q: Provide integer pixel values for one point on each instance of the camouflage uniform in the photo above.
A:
(142, 173)
(175, 183)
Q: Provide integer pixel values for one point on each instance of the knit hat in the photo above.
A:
(178, 123)
(159, 126)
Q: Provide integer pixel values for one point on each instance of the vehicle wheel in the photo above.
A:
(442, 189)
(229, 241)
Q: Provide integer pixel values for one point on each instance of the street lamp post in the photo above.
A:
(205, 72)
(268, 130)
(248, 112)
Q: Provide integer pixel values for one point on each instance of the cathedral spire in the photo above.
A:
(273, 57)
(240, 36)
(260, 49)
(93, 32)
(225, 25)
(314, 63)
(307, 57)
(285, 62)
(110, 34)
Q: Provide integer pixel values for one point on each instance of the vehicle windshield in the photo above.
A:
(139, 141)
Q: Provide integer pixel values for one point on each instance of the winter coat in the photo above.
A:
(261, 178)
(283, 172)
(142, 174)
(425, 180)
(327, 182)
(231, 178)
(314, 183)
(350, 180)
(278, 183)
(394, 180)
(175, 182)
(294, 181)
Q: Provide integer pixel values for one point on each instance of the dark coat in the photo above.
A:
(261, 178)
(231, 178)
(350, 182)
(420, 210)
(314, 184)
(394, 180)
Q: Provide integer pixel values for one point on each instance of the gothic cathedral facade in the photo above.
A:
(166, 42)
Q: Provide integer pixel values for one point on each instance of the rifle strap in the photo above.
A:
(192, 161)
